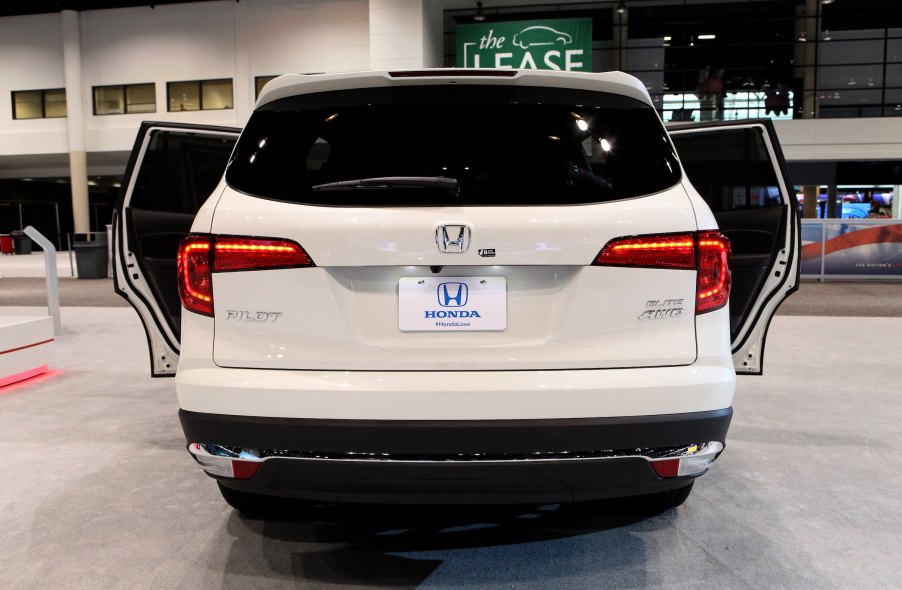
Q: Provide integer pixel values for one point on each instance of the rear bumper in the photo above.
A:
(467, 461)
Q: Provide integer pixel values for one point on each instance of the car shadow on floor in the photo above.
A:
(401, 546)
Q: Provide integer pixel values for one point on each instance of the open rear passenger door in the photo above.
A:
(739, 170)
(172, 170)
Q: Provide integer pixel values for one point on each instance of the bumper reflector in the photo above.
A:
(695, 462)
(223, 465)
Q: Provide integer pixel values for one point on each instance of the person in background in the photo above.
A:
(877, 209)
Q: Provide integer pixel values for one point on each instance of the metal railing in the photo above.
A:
(53, 293)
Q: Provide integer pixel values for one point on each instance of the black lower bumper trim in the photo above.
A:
(435, 437)
(456, 481)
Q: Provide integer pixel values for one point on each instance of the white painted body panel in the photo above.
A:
(562, 313)
(708, 384)
(398, 236)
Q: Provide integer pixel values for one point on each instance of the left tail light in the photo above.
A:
(202, 255)
(194, 275)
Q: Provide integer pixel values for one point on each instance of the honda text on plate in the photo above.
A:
(474, 286)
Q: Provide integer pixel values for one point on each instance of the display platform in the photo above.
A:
(26, 347)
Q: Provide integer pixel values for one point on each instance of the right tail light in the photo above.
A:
(200, 255)
(707, 252)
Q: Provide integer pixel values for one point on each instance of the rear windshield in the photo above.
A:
(453, 145)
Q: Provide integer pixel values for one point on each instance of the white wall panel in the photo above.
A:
(841, 139)
(396, 34)
(308, 37)
(31, 58)
(433, 34)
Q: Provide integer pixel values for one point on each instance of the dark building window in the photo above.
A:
(125, 98)
(200, 95)
(710, 60)
(39, 104)
(260, 82)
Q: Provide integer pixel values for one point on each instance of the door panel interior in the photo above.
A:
(179, 171)
(733, 172)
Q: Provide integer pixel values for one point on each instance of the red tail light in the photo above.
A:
(202, 255)
(661, 251)
(708, 252)
(714, 280)
(194, 275)
(236, 253)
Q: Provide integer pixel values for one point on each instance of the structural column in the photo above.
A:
(621, 40)
(245, 89)
(75, 114)
(808, 28)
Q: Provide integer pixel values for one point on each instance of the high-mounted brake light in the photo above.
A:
(708, 252)
(453, 72)
(202, 255)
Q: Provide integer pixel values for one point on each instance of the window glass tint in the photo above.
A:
(503, 145)
(216, 94)
(108, 100)
(55, 103)
(180, 171)
(260, 82)
(730, 169)
(183, 96)
(27, 104)
(140, 98)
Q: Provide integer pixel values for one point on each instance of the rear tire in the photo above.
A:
(661, 501)
(261, 506)
(245, 502)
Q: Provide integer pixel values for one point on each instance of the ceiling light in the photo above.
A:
(668, 38)
(480, 16)
(621, 7)
(581, 123)
(707, 36)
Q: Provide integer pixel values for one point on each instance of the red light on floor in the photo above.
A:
(244, 469)
(666, 468)
(18, 377)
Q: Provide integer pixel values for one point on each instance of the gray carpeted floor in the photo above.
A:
(97, 490)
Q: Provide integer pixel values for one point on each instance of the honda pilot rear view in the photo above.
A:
(456, 286)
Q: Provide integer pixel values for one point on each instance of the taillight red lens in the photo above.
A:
(195, 282)
(657, 251)
(714, 279)
(237, 253)
(202, 255)
(708, 252)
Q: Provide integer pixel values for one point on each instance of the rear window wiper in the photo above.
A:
(442, 183)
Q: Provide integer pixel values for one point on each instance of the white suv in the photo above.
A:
(456, 286)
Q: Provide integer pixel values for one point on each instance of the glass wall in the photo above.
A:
(736, 59)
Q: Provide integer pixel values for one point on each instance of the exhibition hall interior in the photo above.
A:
(450, 293)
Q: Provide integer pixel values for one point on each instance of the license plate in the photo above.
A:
(452, 304)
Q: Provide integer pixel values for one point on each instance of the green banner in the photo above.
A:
(558, 44)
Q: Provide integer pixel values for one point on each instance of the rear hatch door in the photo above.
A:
(483, 260)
